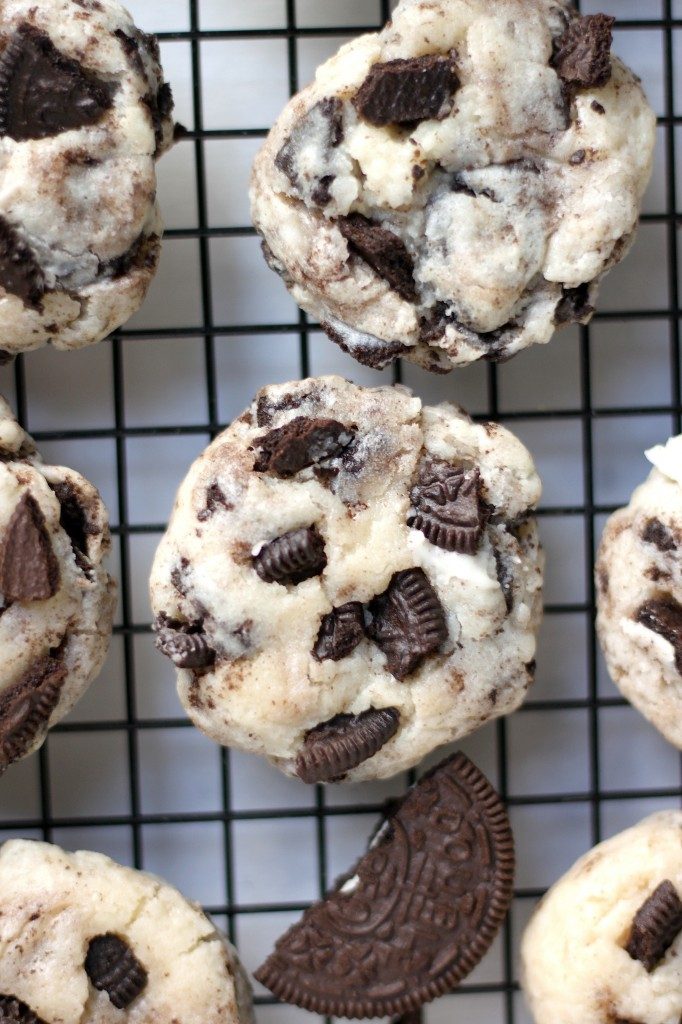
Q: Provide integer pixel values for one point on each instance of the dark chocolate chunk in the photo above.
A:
(43, 92)
(26, 707)
(583, 54)
(112, 967)
(13, 1011)
(664, 616)
(215, 500)
(20, 272)
(340, 633)
(73, 518)
(292, 558)
(185, 650)
(408, 622)
(301, 443)
(29, 570)
(657, 924)
(405, 91)
(336, 747)
(574, 306)
(415, 915)
(661, 536)
(447, 506)
(385, 252)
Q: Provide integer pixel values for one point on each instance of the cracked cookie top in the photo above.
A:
(350, 579)
(84, 114)
(455, 187)
(87, 941)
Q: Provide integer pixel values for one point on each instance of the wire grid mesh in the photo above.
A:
(126, 774)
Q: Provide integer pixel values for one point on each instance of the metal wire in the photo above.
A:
(586, 413)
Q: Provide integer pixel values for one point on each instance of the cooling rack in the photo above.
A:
(125, 773)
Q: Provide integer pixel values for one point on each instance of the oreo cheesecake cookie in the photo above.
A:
(84, 115)
(604, 945)
(639, 594)
(87, 941)
(415, 915)
(456, 186)
(56, 598)
(350, 579)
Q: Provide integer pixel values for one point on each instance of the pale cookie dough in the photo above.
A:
(84, 114)
(605, 944)
(84, 940)
(455, 187)
(350, 579)
(56, 598)
(639, 594)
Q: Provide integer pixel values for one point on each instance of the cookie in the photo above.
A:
(604, 945)
(415, 915)
(87, 941)
(350, 579)
(639, 594)
(56, 598)
(455, 187)
(84, 114)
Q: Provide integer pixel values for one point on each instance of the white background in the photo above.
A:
(549, 753)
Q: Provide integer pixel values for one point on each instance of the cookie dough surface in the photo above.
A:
(639, 594)
(84, 114)
(575, 965)
(456, 186)
(350, 579)
(169, 957)
(56, 598)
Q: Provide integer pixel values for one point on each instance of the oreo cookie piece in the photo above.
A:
(656, 925)
(43, 92)
(405, 91)
(333, 749)
(87, 938)
(112, 967)
(84, 114)
(306, 613)
(415, 915)
(664, 616)
(56, 597)
(430, 195)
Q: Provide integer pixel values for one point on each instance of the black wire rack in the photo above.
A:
(493, 995)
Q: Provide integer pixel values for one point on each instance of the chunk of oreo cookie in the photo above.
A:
(292, 558)
(185, 650)
(45, 93)
(301, 443)
(408, 622)
(415, 915)
(336, 747)
(447, 506)
(29, 569)
(405, 91)
(13, 1011)
(340, 632)
(664, 616)
(657, 924)
(582, 57)
(385, 252)
(20, 272)
(112, 967)
(661, 536)
(26, 707)
(574, 307)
